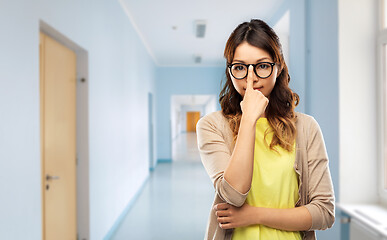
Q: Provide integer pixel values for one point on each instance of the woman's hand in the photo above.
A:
(254, 102)
(239, 171)
(232, 217)
(290, 219)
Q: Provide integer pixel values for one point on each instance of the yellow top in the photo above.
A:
(274, 185)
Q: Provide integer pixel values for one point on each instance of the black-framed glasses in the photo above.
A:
(240, 70)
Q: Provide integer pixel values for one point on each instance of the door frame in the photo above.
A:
(151, 132)
(82, 135)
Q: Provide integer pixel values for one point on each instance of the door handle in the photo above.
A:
(48, 177)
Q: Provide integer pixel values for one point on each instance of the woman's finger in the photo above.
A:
(223, 219)
(221, 206)
(250, 78)
(221, 213)
(225, 225)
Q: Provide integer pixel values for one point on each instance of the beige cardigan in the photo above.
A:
(215, 142)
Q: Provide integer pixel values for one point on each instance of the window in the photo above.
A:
(382, 99)
(384, 113)
(383, 14)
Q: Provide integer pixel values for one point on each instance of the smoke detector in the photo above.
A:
(200, 28)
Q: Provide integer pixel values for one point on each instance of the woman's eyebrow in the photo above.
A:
(259, 60)
(264, 58)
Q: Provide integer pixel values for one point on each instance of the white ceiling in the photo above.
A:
(154, 20)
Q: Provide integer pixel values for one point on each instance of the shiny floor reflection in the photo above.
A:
(185, 147)
(174, 204)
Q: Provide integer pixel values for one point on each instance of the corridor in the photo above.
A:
(137, 69)
(175, 201)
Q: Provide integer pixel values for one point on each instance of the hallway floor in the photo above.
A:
(185, 147)
(174, 204)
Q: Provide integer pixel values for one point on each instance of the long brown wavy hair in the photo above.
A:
(280, 110)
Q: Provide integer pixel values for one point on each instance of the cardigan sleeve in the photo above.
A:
(215, 155)
(320, 188)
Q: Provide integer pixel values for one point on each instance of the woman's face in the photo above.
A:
(248, 54)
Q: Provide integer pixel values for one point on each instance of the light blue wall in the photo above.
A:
(121, 73)
(180, 81)
(322, 85)
(313, 46)
(297, 50)
(20, 204)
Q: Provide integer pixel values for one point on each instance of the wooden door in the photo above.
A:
(58, 139)
(192, 120)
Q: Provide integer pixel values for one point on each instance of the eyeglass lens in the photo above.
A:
(263, 70)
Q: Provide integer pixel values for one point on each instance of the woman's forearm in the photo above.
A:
(239, 171)
(291, 219)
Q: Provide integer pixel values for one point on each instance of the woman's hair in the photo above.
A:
(280, 110)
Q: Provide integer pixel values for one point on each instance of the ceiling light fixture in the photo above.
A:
(200, 28)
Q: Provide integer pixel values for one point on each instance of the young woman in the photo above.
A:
(268, 163)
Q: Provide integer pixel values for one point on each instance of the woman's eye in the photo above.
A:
(239, 67)
(263, 66)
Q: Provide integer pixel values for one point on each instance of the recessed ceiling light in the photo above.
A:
(200, 28)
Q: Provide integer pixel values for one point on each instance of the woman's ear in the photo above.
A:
(279, 71)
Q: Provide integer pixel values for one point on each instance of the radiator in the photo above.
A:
(359, 231)
(366, 222)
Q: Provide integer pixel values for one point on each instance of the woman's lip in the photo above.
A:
(260, 88)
